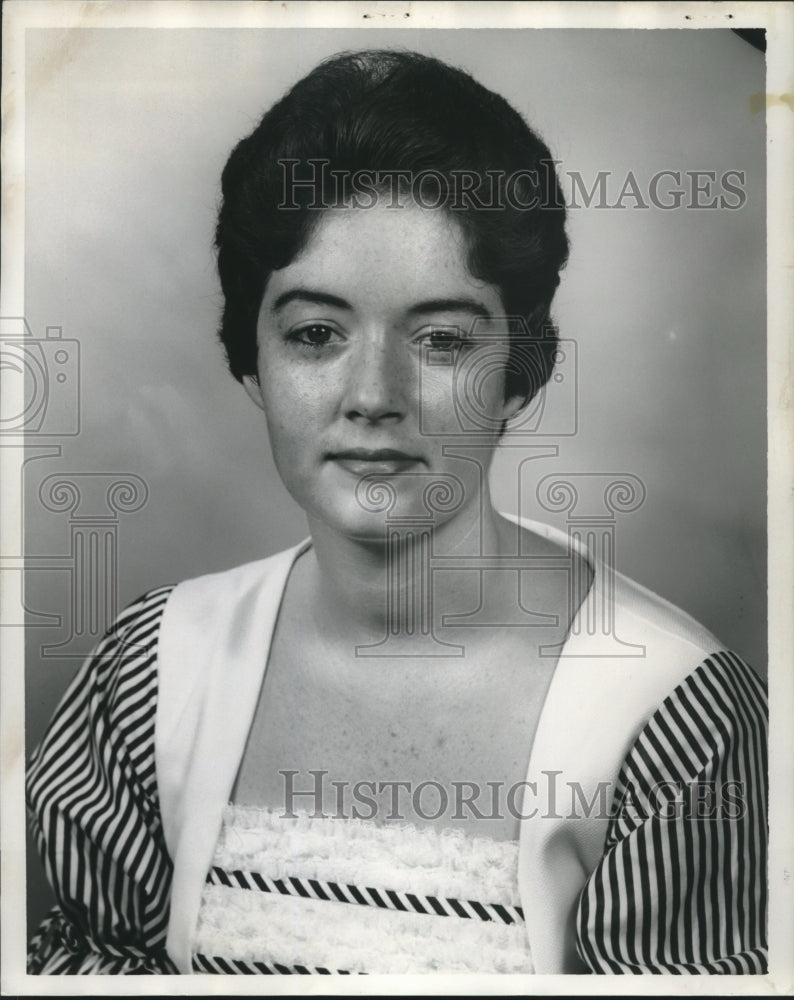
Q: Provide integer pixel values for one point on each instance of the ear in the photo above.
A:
(251, 386)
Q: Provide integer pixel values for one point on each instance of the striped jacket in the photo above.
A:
(127, 789)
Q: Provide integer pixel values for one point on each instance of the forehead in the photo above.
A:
(398, 254)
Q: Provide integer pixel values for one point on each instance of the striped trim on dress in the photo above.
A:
(385, 899)
(235, 966)
(682, 887)
(92, 795)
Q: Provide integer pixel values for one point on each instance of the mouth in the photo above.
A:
(380, 461)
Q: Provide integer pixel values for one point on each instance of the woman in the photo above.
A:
(347, 757)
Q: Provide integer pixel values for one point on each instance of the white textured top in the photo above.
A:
(318, 894)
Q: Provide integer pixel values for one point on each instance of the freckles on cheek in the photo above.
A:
(290, 407)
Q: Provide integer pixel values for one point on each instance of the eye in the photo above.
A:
(315, 335)
(440, 338)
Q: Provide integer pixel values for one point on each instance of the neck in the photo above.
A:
(362, 587)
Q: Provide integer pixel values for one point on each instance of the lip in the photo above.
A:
(366, 461)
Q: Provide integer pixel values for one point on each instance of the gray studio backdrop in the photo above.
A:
(150, 465)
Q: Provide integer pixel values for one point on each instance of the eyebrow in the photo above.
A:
(315, 297)
(465, 304)
(309, 295)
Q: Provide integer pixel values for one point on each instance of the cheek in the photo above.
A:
(298, 409)
(288, 391)
(466, 398)
(437, 405)
(283, 405)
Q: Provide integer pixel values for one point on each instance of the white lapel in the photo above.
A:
(213, 647)
(211, 667)
(599, 699)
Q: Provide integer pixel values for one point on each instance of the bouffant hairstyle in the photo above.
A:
(393, 113)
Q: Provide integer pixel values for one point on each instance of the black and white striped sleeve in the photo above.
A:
(682, 887)
(92, 797)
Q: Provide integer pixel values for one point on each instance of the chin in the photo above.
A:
(350, 521)
(408, 518)
(367, 508)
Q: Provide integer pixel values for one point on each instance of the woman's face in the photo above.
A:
(354, 382)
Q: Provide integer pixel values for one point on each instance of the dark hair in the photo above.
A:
(389, 111)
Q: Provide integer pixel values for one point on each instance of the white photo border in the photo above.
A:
(778, 20)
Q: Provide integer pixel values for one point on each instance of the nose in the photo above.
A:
(377, 383)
